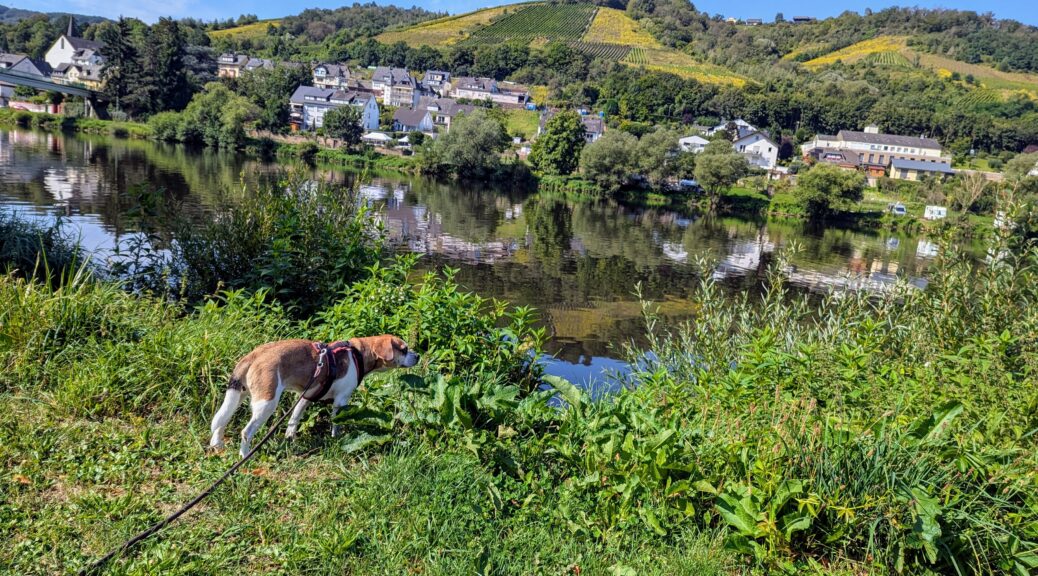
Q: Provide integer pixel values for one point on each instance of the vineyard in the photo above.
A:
(681, 64)
(612, 26)
(859, 51)
(445, 31)
(555, 22)
(895, 59)
(254, 30)
(614, 52)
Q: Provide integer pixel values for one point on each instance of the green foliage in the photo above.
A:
(343, 123)
(718, 168)
(300, 242)
(29, 249)
(609, 160)
(269, 89)
(470, 150)
(557, 150)
(658, 156)
(826, 189)
(214, 117)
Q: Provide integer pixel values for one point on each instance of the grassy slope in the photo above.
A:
(609, 26)
(247, 31)
(884, 49)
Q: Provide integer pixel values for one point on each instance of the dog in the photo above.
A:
(272, 368)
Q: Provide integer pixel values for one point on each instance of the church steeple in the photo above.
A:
(71, 31)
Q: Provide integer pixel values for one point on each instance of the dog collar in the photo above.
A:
(328, 351)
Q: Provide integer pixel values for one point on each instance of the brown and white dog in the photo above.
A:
(272, 368)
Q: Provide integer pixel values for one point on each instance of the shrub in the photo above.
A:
(166, 126)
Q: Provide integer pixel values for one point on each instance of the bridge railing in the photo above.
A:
(44, 79)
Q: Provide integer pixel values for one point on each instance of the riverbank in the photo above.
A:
(879, 434)
(11, 118)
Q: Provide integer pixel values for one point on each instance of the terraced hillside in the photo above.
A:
(553, 22)
(894, 51)
(600, 32)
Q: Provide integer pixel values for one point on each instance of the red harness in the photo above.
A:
(326, 357)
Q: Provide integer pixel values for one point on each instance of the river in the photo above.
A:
(577, 262)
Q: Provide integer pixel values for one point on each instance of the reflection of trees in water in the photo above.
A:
(550, 226)
(471, 211)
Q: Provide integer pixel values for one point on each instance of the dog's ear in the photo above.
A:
(384, 351)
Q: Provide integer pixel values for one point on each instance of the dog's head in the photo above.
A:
(387, 351)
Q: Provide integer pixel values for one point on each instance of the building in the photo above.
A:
(735, 128)
(335, 76)
(759, 150)
(309, 105)
(70, 49)
(594, 126)
(416, 120)
(444, 110)
(230, 65)
(754, 21)
(874, 148)
(901, 169)
(506, 94)
(395, 87)
(258, 63)
(19, 64)
(846, 159)
(436, 82)
(803, 19)
(693, 144)
(85, 74)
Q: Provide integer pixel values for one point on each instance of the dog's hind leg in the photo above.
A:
(231, 401)
(261, 411)
(297, 415)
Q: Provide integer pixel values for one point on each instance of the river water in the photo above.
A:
(578, 263)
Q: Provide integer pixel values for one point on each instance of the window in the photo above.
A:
(872, 158)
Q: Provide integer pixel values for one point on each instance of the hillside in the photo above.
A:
(9, 15)
(893, 51)
(250, 31)
(600, 32)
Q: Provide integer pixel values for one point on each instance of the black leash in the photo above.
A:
(90, 569)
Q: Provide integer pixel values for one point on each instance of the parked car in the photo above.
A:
(897, 209)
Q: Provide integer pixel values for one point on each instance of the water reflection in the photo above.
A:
(578, 263)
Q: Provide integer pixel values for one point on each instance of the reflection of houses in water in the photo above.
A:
(743, 257)
(882, 278)
(71, 183)
(421, 231)
(926, 249)
(675, 251)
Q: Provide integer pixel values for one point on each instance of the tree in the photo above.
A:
(121, 69)
(270, 89)
(610, 161)
(970, 188)
(657, 156)
(163, 66)
(343, 123)
(779, 18)
(717, 171)
(557, 151)
(825, 189)
(217, 117)
(472, 148)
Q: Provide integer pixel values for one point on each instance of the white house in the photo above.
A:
(331, 76)
(693, 144)
(69, 49)
(759, 150)
(395, 87)
(436, 82)
(874, 148)
(740, 126)
(1033, 171)
(444, 110)
(506, 94)
(408, 120)
(935, 213)
(310, 104)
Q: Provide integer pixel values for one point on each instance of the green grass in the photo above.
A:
(879, 433)
(554, 22)
(522, 123)
(44, 121)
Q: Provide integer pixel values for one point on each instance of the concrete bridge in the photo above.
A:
(95, 105)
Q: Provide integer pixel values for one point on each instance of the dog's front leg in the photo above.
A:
(297, 416)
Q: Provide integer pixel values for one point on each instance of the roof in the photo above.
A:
(444, 106)
(408, 117)
(593, 124)
(11, 59)
(255, 63)
(471, 83)
(337, 70)
(83, 43)
(377, 136)
(761, 133)
(832, 156)
(328, 96)
(694, 140)
(392, 76)
(922, 166)
(228, 59)
(436, 73)
(887, 139)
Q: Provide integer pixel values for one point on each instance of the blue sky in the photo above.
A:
(150, 10)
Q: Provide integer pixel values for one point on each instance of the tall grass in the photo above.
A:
(866, 433)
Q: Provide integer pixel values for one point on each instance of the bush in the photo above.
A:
(166, 126)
